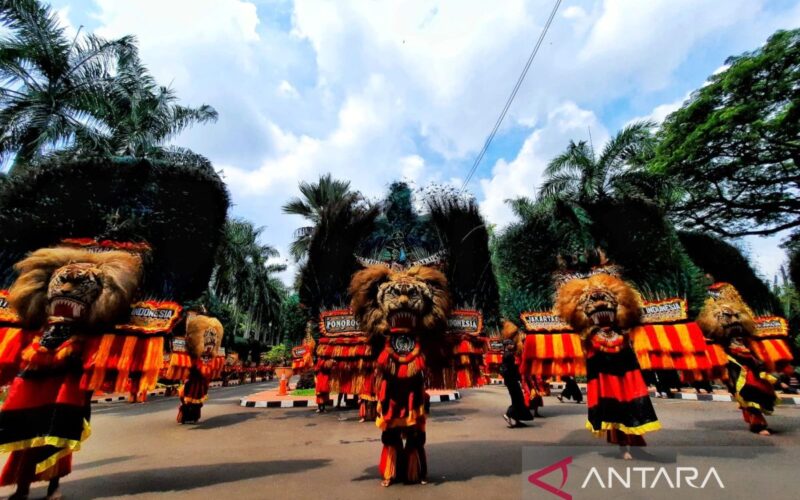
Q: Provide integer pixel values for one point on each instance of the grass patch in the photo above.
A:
(304, 392)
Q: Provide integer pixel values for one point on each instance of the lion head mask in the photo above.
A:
(599, 300)
(725, 319)
(203, 336)
(74, 285)
(400, 302)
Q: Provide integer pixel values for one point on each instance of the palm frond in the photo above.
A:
(577, 158)
(560, 185)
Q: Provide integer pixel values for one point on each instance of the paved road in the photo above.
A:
(139, 451)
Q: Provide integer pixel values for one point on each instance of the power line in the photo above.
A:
(512, 96)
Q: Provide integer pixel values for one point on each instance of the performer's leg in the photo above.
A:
(53, 492)
(391, 454)
(20, 469)
(625, 441)
(195, 410)
(22, 491)
(322, 401)
(416, 462)
(758, 424)
(536, 403)
(362, 410)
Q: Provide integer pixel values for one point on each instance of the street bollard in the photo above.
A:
(283, 386)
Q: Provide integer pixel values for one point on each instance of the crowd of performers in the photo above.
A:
(74, 322)
(601, 329)
(402, 335)
(72, 325)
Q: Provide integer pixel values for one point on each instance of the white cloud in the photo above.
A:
(574, 12)
(660, 112)
(412, 167)
(201, 20)
(286, 89)
(63, 18)
(522, 176)
(646, 41)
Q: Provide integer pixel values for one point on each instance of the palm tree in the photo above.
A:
(578, 175)
(244, 280)
(49, 85)
(142, 115)
(316, 197)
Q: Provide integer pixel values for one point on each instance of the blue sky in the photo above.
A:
(375, 91)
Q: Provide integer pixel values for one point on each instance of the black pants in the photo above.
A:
(517, 410)
(571, 390)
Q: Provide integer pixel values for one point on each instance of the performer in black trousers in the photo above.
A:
(518, 411)
(571, 391)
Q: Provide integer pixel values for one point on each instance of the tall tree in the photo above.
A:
(244, 280)
(142, 115)
(316, 197)
(734, 146)
(50, 85)
(581, 176)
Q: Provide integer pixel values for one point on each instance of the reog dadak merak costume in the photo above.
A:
(86, 315)
(393, 278)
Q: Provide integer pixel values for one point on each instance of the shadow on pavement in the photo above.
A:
(223, 420)
(102, 462)
(160, 480)
(456, 461)
(462, 461)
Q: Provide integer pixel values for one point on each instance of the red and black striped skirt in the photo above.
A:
(617, 396)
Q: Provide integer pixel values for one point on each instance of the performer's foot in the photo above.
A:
(508, 421)
(627, 455)
(362, 420)
(764, 432)
(560, 398)
(386, 483)
(56, 495)
(423, 481)
(19, 496)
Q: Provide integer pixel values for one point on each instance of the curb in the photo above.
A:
(120, 399)
(161, 392)
(785, 400)
(725, 398)
(312, 403)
